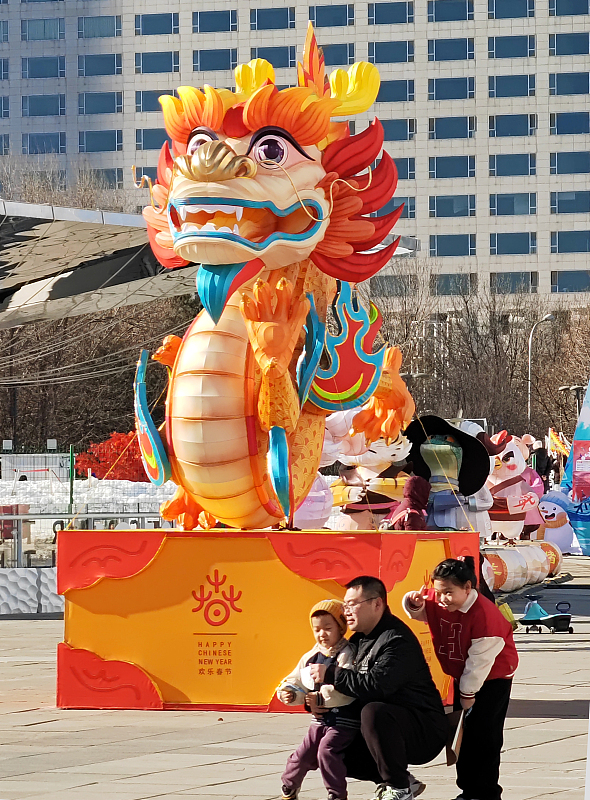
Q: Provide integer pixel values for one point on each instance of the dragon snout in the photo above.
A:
(215, 161)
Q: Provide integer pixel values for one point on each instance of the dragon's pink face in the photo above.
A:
(257, 196)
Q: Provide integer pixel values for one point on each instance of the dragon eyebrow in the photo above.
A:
(201, 129)
(279, 132)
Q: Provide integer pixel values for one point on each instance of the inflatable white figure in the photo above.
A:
(372, 480)
(511, 492)
(556, 527)
(315, 510)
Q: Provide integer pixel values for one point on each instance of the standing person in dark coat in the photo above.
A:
(410, 514)
(402, 716)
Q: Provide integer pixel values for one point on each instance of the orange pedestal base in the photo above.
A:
(215, 620)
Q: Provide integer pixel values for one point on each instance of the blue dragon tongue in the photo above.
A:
(215, 284)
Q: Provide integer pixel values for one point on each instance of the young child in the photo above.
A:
(474, 643)
(331, 732)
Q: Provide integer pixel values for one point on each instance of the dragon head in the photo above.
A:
(261, 178)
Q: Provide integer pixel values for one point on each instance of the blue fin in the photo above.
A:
(278, 467)
(153, 454)
(315, 335)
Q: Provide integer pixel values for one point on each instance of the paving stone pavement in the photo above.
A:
(134, 755)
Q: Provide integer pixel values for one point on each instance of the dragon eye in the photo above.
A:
(197, 138)
(271, 149)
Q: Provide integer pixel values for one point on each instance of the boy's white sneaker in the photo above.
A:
(417, 786)
(387, 792)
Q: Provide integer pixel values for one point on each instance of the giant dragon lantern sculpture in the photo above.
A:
(273, 198)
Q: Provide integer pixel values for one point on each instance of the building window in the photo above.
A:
(511, 85)
(406, 168)
(454, 283)
(513, 244)
(150, 138)
(167, 61)
(513, 125)
(570, 202)
(394, 285)
(109, 178)
(214, 21)
(111, 64)
(569, 83)
(451, 88)
(513, 164)
(148, 100)
(409, 207)
(449, 10)
(44, 105)
(567, 8)
(451, 127)
(4, 144)
(391, 52)
(452, 244)
(570, 242)
(511, 46)
(156, 24)
(390, 13)
(44, 67)
(35, 30)
(100, 102)
(98, 27)
(149, 172)
(396, 91)
(278, 56)
(100, 141)
(514, 282)
(35, 144)
(399, 130)
(450, 49)
(512, 205)
(331, 16)
(271, 19)
(451, 167)
(510, 9)
(568, 44)
(4, 107)
(571, 122)
(3, 69)
(570, 280)
(338, 54)
(4, 30)
(570, 163)
(452, 205)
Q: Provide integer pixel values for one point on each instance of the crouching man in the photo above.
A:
(402, 716)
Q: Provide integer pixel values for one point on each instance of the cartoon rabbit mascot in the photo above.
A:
(511, 492)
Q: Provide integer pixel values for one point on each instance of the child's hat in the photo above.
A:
(335, 609)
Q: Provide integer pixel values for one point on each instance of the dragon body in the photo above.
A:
(273, 199)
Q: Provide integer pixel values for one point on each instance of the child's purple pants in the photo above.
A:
(323, 747)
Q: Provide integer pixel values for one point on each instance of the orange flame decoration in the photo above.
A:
(305, 111)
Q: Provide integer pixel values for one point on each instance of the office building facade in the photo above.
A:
(485, 106)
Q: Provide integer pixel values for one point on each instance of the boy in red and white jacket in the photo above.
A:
(475, 645)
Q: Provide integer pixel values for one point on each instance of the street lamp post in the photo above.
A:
(546, 318)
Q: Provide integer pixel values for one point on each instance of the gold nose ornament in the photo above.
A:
(215, 161)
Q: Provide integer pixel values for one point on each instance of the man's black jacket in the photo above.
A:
(389, 667)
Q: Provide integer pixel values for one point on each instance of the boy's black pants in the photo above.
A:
(391, 738)
(478, 766)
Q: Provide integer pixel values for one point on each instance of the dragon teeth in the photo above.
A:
(236, 230)
(183, 210)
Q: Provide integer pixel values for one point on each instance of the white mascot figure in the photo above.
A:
(511, 493)
(556, 527)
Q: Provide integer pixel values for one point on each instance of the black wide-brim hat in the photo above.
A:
(475, 465)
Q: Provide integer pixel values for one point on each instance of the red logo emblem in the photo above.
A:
(217, 610)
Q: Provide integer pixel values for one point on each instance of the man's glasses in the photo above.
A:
(354, 603)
